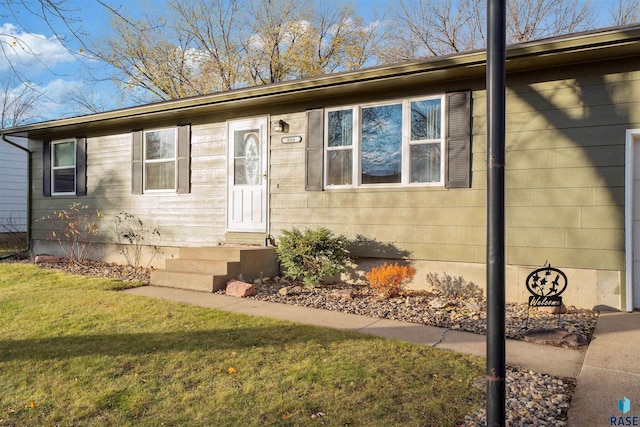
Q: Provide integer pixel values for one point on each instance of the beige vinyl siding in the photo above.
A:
(194, 219)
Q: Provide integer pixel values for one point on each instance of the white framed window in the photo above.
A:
(160, 153)
(63, 167)
(398, 143)
(341, 125)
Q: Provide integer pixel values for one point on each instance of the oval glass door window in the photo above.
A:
(252, 160)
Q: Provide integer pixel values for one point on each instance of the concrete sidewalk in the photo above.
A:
(611, 372)
(539, 358)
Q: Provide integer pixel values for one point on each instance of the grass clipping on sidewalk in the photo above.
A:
(75, 352)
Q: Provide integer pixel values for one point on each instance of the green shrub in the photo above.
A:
(312, 254)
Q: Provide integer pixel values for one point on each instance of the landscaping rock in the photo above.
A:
(562, 309)
(437, 304)
(346, 294)
(44, 259)
(558, 337)
(472, 306)
(411, 301)
(236, 288)
(284, 291)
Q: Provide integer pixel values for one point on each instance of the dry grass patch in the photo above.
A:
(73, 352)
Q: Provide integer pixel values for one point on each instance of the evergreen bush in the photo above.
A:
(312, 254)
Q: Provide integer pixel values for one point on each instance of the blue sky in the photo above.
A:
(56, 71)
(53, 67)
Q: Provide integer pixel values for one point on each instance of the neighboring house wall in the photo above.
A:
(564, 185)
(13, 187)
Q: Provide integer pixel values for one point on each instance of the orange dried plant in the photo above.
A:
(389, 280)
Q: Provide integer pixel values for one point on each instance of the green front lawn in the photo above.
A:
(73, 352)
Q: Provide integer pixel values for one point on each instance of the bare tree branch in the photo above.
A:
(438, 27)
(624, 12)
(202, 46)
(17, 100)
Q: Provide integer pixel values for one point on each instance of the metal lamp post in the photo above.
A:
(496, 76)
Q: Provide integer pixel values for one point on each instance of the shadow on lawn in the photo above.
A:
(148, 343)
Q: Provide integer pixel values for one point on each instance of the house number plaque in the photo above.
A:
(291, 139)
(545, 285)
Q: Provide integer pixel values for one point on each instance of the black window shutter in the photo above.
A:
(184, 159)
(46, 169)
(136, 162)
(81, 166)
(458, 140)
(314, 150)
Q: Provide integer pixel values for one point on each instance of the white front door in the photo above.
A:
(247, 209)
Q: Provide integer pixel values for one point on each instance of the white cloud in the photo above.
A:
(51, 99)
(54, 103)
(28, 52)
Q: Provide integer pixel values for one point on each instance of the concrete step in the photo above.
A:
(258, 263)
(257, 239)
(208, 269)
(222, 268)
(190, 281)
(212, 253)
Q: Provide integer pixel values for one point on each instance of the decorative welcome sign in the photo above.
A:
(545, 285)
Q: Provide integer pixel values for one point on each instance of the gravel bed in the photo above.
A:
(126, 273)
(532, 399)
(458, 313)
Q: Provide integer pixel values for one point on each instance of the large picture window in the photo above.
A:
(160, 151)
(63, 167)
(399, 143)
(381, 145)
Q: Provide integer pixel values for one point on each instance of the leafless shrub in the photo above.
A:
(73, 230)
(453, 286)
(132, 235)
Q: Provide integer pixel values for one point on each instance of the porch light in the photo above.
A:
(280, 126)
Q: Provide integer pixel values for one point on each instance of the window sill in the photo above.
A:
(170, 191)
(394, 188)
